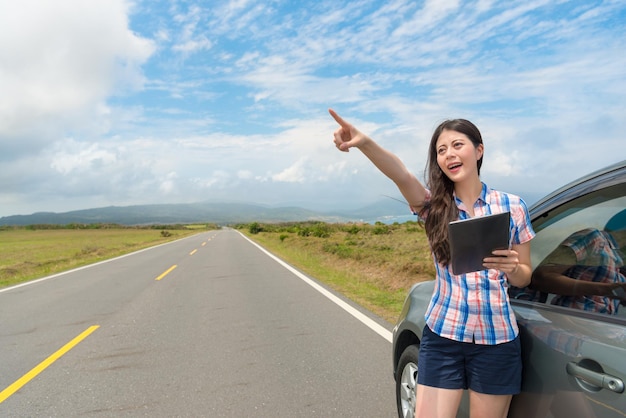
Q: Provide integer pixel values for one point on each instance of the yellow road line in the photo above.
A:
(166, 272)
(193, 252)
(203, 243)
(17, 385)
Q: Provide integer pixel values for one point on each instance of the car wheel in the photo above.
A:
(406, 382)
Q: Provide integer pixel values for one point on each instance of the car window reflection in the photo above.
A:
(584, 269)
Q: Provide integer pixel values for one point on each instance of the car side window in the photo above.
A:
(579, 253)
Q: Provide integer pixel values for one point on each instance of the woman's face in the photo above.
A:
(457, 156)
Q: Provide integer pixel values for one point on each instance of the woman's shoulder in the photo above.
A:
(505, 197)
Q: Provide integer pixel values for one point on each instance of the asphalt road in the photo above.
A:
(227, 332)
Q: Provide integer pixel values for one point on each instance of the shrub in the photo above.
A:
(340, 250)
(321, 230)
(303, 231)
(352, 229)
(255, 228)
(380, 228)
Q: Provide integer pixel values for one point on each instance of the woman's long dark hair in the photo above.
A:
(442, 209)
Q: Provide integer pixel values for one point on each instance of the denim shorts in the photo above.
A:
(488, 369)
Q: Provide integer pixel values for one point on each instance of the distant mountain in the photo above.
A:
(219, 213)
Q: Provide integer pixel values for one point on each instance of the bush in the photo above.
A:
(352, 229)
(303, 231)
(380, 228)
(255, 228)
(340, 250)
(414, 226)
(321, 230)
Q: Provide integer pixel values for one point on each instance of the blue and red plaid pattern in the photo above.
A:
(597, 260)
(474, 307)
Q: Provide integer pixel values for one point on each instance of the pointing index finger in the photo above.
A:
(338, 119)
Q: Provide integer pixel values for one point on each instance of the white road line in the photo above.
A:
(373, 325)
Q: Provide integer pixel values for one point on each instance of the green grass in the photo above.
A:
(29, 253)
(373, 265)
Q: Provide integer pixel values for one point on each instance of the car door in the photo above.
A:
(572, 321)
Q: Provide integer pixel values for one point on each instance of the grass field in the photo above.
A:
(29, 253)
(373, 265)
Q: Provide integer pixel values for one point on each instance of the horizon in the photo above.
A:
(339, 209)
(222, 213)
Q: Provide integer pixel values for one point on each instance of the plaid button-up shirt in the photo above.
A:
(474, 307)
(597, 260)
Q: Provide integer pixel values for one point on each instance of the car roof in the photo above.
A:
(600, 179)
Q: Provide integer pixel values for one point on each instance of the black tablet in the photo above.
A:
(473, 239)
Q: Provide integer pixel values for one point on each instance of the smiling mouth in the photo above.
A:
(454, 166)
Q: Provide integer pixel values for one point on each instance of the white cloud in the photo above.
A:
(245, 174)
(296, 173)
(193, 45)
(168, 183)
(59, 62)
(218, 179)
(426, 18)
(88, 157)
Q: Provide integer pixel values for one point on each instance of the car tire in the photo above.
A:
(406, 382)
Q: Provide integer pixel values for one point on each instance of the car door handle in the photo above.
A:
(601, 380)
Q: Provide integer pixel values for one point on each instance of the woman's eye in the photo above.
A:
(441, 151)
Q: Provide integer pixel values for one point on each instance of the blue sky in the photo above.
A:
(112, 102)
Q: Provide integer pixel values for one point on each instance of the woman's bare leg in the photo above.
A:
(488, 406)
(433, 402)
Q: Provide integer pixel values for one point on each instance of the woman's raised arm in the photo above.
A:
(347, 136)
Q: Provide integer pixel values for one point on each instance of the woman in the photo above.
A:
(471, 340)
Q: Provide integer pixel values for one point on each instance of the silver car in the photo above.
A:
(572, 322)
